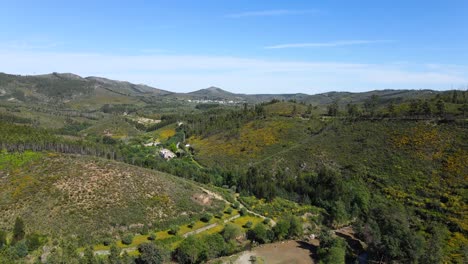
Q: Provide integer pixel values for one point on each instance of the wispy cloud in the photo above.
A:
(327, 44)
(30, 45)
(153, 50)
(275, 12)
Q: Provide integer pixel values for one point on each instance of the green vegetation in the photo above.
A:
(84, 154)
(109, 192)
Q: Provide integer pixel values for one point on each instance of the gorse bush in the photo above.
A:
(127, 239)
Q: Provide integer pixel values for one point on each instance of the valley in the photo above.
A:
(99, 170)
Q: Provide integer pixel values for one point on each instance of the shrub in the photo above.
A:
(191, 224)
(34, 241)
(127, 239)
(266, 221)
(107, 241)
(144, 230)
(231, 231)
(219, 215)
(21, 249)
(243, 211)
(174, 229)
(228, 211)
(235, 205)
(248, 224)
(152, 237)
(206, 217)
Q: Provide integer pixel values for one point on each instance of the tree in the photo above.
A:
(332, 109)
(414, 108)
(426, 108)
(18, 230)
(281, 229)
(260, 233)
(464, 109)
(308, 112)
(455, 97)
(3, 238)
(243, 211)
(190, 250)
(440, 105)
(114, 255)
(149, 254)
(434, 251)
(338, 212)
(371, 104)
(215, 245)
(391, 109)
(231, 231)
(294, 111)
(352, 110)
(88, 256)
(334, 252)
(295, 226)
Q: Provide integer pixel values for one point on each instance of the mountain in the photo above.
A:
(72, 90)
(93, 92)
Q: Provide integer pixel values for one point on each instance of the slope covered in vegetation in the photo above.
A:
(65, 195)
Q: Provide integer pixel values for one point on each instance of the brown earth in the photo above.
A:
(286, 252)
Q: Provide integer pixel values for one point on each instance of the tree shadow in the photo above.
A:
(307, 246)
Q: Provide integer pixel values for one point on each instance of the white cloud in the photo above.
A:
(244, 75)
(277, 12)
(327, 44)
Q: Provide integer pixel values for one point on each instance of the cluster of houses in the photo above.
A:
(165, 153)
(205, 101)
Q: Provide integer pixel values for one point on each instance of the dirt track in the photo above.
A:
(287, 252)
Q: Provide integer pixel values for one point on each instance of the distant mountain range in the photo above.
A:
(71, 88)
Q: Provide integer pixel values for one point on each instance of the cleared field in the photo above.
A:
(286, 252)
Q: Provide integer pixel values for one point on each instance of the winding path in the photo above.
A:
(201, 229)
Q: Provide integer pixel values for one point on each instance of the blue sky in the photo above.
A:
(243, 46)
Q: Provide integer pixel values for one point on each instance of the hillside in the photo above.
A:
(375, 173)
(90, 197)
(72, 91)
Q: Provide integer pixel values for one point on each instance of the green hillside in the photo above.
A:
(67, 195)
(84, 166)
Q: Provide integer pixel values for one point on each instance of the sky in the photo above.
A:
(243, 46)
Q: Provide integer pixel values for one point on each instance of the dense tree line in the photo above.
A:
(213, 121)
(21, 138)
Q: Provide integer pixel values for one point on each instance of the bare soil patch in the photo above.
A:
(286, 252)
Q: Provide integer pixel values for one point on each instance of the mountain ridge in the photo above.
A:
(61, 87)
